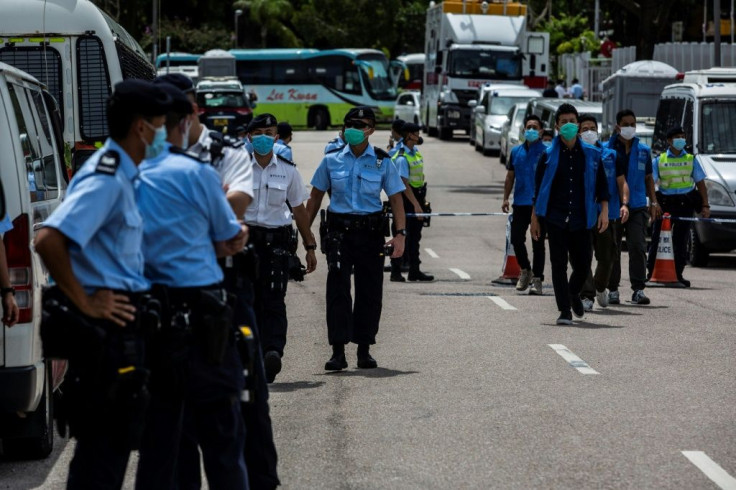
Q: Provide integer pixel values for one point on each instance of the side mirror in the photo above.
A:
(472, 103)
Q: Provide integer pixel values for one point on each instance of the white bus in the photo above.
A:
(80, 53)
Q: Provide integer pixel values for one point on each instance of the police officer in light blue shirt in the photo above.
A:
(91, 245)
(336, 143)
(281, 147)
(355, 176)
(188, 223)
(395, 140)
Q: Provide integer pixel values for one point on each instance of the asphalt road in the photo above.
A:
(477, 387)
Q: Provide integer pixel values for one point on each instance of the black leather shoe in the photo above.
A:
(337, 362)
(683, 281)
(420, 276)
(365, 361)
(397, 277)
(577, 305)
(272, 364)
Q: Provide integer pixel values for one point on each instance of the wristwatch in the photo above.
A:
(401, 232)
(4, 291)
(310, 247)
(625, 204)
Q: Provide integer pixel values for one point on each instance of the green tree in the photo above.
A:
(270, 16)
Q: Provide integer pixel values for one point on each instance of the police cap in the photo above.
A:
(410, 128)
(262, 121)
(397, 125)
(674, 130)
(360, 112)
(141, 97)
(182, 82)
(284, 129)
(179, 102)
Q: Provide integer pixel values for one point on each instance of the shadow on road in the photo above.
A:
(585, 324)
(295, 386)
(30, 474)
(370, 373)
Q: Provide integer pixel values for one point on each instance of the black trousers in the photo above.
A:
(605, 246)
(677, 207)
(572, 246)
(360, 251)
(414, 229)
(636, 242)
(522, 218)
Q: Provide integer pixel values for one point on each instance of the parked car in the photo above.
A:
(706, 109)
(481, 99)
(545, 108)
(513, 128)
(33, 177)
(223, 104)
(407, 106)
(493, 111)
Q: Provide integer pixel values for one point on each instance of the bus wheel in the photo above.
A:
(320, 118)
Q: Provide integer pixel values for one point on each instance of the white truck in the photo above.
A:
(469, 43)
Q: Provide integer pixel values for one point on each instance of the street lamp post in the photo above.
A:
(238, 13)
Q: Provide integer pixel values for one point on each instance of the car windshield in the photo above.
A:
(221, 100)
(500, 105)
(475, 63)
(719, 119)
(377, 80)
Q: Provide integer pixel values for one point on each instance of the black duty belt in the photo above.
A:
(274, 236)
(346, 222)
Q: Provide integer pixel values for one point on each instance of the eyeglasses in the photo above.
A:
(357, 125)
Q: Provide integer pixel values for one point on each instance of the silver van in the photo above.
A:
(705, 106)
(34, 180)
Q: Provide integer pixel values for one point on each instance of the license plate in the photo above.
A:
(454, 114)
(221, 122)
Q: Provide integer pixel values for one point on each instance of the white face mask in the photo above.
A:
(589, 136)
(628, 132)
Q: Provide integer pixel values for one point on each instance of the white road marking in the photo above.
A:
(431, 253)
(501, 302)
(712, 470)
(572, 359)
(461, 274)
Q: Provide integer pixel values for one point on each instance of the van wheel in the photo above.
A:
(697, 254)
(320, 119)
(40, 442)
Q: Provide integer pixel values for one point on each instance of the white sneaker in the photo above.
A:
(587, 304)
(524, 278)
(602, 297)
(536, 286)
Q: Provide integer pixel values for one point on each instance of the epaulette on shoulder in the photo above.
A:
(285, 160)
(108, 163)
(336, 149)
(232, 142)
(178, 151)
(380, 153)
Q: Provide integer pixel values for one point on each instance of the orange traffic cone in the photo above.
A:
(510, 271)
(664, 267)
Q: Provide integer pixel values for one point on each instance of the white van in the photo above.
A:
(705, 106)
(33, 179)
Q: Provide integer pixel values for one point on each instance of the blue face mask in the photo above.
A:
(158, 145)
(679, 143)
(531, 135)
(263, 144)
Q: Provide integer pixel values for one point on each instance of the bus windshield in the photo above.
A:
(488, 64)
(379, 86)
(719, 119)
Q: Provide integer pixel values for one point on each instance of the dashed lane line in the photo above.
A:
(431, 253)
(572, 359)
(462, 274)
(711, 469)
(501, 302)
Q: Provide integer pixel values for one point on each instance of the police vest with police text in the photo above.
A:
(675, 172)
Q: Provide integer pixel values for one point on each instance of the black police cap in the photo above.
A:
(179, 102)
(182, 82)
(360, 112)
(262, 121)
(284, 129)
(141, 97)
(674, 130)
(397, 125)
(410, 128)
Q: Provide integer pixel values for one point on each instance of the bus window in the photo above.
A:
(286, 72)
(254, 72)
(379, 83)
(94, 88)
(44, 64)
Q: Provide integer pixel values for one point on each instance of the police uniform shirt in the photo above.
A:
(356, 182)
(399, 144)
(281, 148)
(234, 165)
(272, 187)
(184, 212)
(697, 175)
(402, 164)
(6, 225)
(100, 218)
(335, 143)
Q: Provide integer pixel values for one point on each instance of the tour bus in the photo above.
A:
(312, 88)
(79, 53)
(177, 62)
